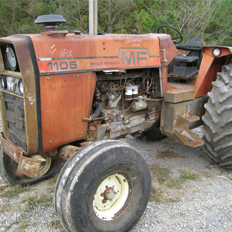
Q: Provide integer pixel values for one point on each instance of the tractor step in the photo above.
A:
(188, 138)
(188, 117)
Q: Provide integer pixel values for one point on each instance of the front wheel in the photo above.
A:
(105, 186)
(8, 170)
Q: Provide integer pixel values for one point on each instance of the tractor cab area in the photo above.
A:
(185, 66)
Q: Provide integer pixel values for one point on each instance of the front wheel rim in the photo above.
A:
(111, 197)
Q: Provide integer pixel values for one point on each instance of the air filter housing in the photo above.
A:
(51, 22)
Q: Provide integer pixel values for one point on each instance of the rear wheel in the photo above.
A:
(217, 127)
(104, 186)
(8, 170)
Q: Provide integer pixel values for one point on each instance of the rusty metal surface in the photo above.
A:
(170, 52)
(179, 93)
(83, 53)
(29, 167)
(27, 75)
(65, 101)
(188, 117)
(96, 119)
(10, 149)
(65, 152)
(170, 121)
(188, 138)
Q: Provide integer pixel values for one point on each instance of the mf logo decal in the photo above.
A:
(133, 57)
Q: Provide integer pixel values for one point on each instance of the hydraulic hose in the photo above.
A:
(98, 110)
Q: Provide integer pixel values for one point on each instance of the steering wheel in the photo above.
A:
(177, 39)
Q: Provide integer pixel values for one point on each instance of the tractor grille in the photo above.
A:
(16, 120)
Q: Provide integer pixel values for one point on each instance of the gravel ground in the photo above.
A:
(199, 200)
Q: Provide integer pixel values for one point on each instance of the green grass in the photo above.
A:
(186, 175)
(163, 184)
(44, 201)
(13, 191)
(159, 173)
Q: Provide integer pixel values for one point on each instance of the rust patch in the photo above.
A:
(65, 152)
(29, 167)
(10, 149)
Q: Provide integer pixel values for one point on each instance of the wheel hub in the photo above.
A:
(111, 196)
(108, 194)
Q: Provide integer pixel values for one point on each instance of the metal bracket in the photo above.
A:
(165, 58)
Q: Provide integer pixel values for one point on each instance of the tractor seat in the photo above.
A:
(186, 66)
(191, 45)
(186, 59)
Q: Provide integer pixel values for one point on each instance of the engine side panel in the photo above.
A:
(65, 101)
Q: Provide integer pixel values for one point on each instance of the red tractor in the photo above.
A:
(66, 97)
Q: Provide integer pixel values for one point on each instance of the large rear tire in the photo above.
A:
(105, 186)
(217, 120)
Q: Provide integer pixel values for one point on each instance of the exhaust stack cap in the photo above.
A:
(51, 22)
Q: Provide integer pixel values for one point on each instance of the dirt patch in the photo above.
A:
(168, 154)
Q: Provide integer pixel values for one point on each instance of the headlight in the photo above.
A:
(216, 52)
(3, 82)
(20, 85)
(10, 82)
(11, 58)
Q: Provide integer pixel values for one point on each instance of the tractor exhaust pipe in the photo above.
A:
(93, 19)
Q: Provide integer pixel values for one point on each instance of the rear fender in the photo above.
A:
(210, 65)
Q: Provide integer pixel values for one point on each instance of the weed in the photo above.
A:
(44, 201)
(186, 175)
(174, 183)
(156, 195)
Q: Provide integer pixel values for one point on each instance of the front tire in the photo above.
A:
(105, 186)
(8, 171)
(217, 120)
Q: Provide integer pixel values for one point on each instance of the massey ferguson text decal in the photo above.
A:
(127, 58)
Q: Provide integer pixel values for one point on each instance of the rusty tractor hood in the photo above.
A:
(59, 52)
